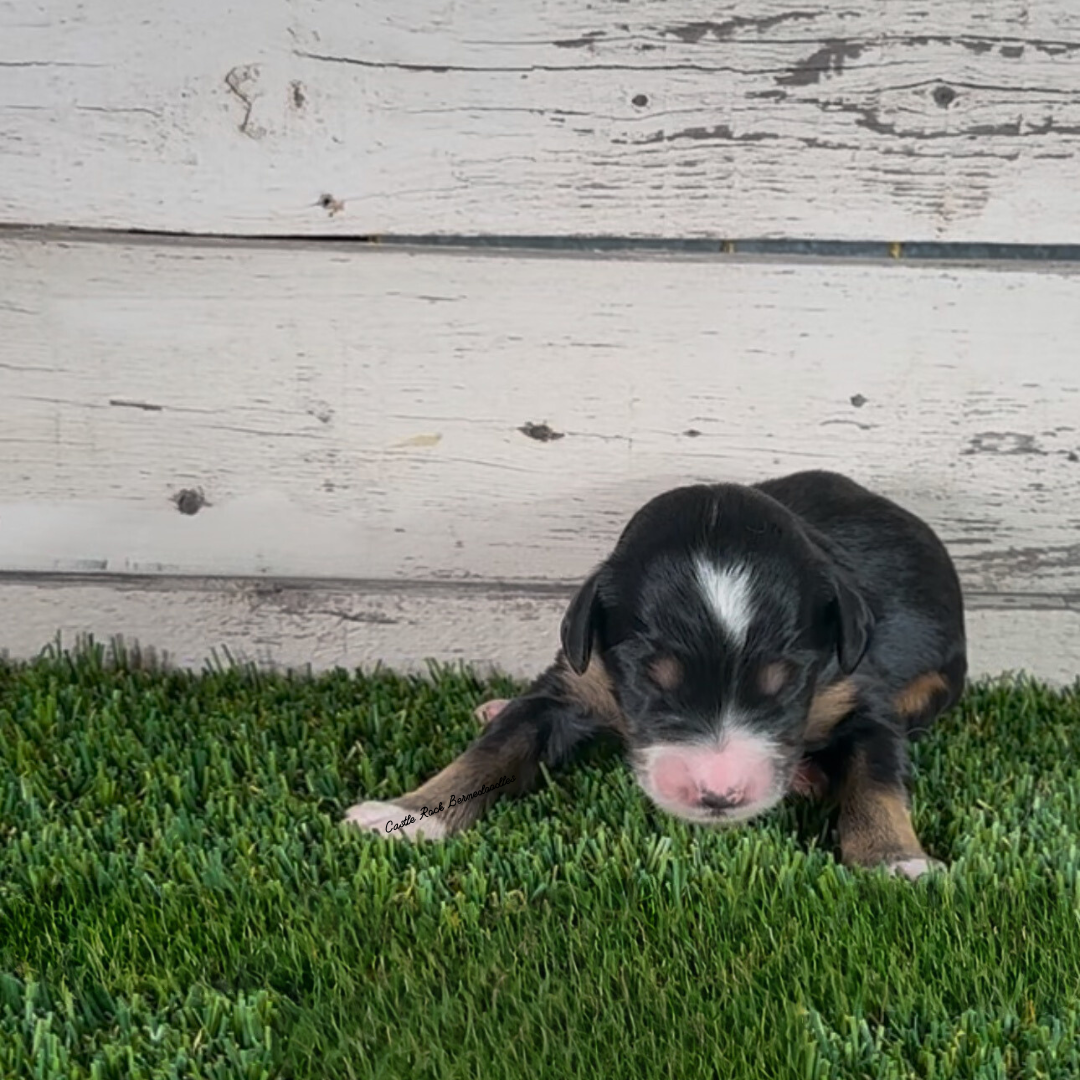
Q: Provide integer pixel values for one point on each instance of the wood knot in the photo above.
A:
(944, 96)
(190, 500)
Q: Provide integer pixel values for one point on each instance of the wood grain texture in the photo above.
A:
(399, 625)
(284, 410)
(895, 120)
(290, 624)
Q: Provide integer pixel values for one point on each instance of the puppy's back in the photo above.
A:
(900, 564)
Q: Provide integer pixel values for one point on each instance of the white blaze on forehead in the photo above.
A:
(729, 596)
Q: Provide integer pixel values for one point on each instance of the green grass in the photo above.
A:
(178, 899)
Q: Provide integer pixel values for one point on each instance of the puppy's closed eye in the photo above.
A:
(774, 676)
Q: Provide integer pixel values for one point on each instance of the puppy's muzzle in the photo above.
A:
(737, 778)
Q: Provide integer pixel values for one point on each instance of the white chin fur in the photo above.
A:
(382, 817)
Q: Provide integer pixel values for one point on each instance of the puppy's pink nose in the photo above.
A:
(674, 780)
(719, 779)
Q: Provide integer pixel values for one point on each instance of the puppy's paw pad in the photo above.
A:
(490, 709)
(393, 821)
(914, 869)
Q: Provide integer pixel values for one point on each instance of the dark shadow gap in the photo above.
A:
(875, 250)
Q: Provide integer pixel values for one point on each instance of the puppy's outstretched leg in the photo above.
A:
(875, 816)
(560, 712)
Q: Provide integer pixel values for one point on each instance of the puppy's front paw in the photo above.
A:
(490, 709)
(394, 822)
(914, 868)
(809, 780)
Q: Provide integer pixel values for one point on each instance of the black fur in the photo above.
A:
(855, 600)
(849, 584)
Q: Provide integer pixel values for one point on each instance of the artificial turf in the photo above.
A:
(178, 898)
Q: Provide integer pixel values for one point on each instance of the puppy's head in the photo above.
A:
(715, 618)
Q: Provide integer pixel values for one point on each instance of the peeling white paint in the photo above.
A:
(857, 121)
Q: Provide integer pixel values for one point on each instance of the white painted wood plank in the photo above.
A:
(355, 413)
(895, 120)
(401, 627)
(337, 625)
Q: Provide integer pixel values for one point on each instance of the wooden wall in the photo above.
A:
(266, 433)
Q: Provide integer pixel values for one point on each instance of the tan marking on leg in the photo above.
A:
(875, 821)
(454, 798)
(453, 789)
(827, 708)
(917, 697)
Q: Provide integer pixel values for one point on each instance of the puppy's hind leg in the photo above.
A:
(544, 725)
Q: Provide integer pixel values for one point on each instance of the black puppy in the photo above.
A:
(743, 642)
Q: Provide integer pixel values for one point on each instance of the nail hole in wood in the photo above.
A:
(944, 96)
(540, 432)
(331, 205)
(190, 500)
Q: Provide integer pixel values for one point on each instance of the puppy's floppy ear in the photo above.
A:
(854, 623)
(579, 624)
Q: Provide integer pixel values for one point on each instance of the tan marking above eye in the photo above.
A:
(666, 672)
(773, 677)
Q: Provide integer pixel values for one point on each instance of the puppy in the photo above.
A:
(743, 642)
